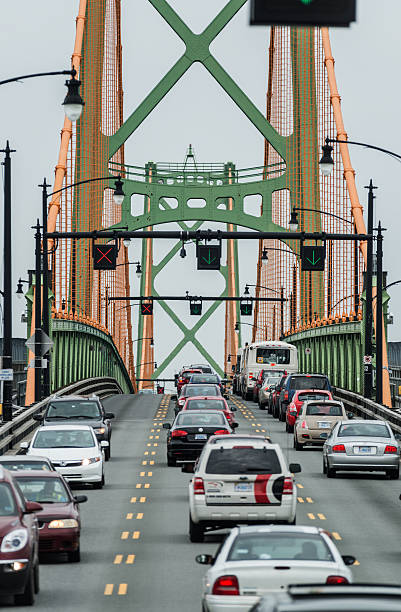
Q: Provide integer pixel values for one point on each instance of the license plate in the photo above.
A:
(324, 424)
(323, 435)
(200, 437)
(366, 450)
(243, 487)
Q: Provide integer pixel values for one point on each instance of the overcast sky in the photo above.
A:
(36, 36)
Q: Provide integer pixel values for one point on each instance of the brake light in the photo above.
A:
(288, 488)
(181, 380)
(220, 432)
(336, 580)
(304, 425)
(250, 375)
(338, 448)
(286, 395)
(199, 489)
(390, 449)
(226, 585)
(178, 433)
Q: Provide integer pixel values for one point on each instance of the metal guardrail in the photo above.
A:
(23, 423)
(368, 409)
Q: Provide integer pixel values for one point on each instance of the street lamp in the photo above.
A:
(183, 252)
(246, 290)
(73, 103)
(147, 363)
(149, 338)
(20, 291)
(264, 257)
(118, 195)
(126, 242)
(138, 270)
(326, 162)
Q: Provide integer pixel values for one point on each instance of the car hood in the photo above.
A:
(8, 523)
(55, 454)
(57, 510)
(90, 422)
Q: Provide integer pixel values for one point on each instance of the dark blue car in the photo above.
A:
(298, 382)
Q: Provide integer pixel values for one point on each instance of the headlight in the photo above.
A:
(14, 540)
(88, 461)
(62, 524)
(99, 430)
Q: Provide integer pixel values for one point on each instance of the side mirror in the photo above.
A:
(188, 468)
(24, 445)
(31, 507)
(225, 395)
(166, 426)
(348, 559)
(104, 444)
(233, 409)
(234, 425)
(38, 417)
(350, 415)
(109, 415)
(295, 468)
(204, 559)
(174, 398)
(80, 499)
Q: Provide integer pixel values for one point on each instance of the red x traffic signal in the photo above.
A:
(146, 308)
(104, 256)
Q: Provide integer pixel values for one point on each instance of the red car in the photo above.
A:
(59, 520)
(19, 536)
(298, 399)
(210, 403)
(196, 391)
(184, 376)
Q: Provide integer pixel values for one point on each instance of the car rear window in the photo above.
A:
(26, 465)
(243, 460)
(206, 419)
(324, 410)
(192, 390)
(7, 502)
(205, 404)
(369, 430)
(73, 410)
(280, 546)
(304, 397)
(205, 378)
(309, 382)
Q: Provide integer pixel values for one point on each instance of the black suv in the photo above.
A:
(298, 382)
(76, 409)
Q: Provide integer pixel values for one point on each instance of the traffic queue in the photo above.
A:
(39, 513)
(242, 482)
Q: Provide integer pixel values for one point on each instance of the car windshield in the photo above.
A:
(367, 430)
(243, 460)
(20, 464)
(205, 404)
(272, 355)
(324, 410)
(200, 419)
(205, 378)
(73, 410)
(43, 490)
(309, 382)
(204, 368)
(60, 438)
(7, 502)
(279, 546)
(192, 390)
(304, 397)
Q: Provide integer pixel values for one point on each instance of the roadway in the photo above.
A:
(135, 548)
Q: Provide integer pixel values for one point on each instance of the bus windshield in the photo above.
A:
(273, 355)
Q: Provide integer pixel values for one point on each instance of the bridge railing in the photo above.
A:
(23, 423)
(368, 409)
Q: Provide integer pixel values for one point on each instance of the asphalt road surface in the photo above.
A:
(136, 554)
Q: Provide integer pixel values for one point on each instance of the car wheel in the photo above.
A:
(36, 578)
(324, 467)
(297, 445)
(196, 532)
(99, 485)
(393, 474)
(74, 556)
(331, 472)
(171, 462)
(107, 453)
(294, 522)
(287, 427)
(27, 598)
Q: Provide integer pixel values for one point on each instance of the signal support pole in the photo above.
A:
(368, 368)
(38, 313)
(379, 317)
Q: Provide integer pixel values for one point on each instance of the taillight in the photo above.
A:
(304, 425)
(390, 449)
(181, 380)
(338, 448)
(181, 401)
(199, 489)
(336, 580)
(286, 395)
(178, 433)
(250, 375)
(226, 585)
(220, 432)
(288, 488)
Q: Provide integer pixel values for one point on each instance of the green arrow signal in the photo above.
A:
(210, 259)
(314, 262)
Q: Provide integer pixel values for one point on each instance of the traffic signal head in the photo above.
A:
(303, 12)
(104, 256)
(246, 308)
(313, 258)
(195, 308)
(208, 256)
(146, 308)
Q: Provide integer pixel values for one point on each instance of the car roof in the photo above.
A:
(206, 397)
(325, 391)
(37, 473)
(257, 441)
(288, 529)
(65, 428)
(68, 397)
(369, 421)
(306, 375)
(238, 437)
(200, 412)
(328, 402)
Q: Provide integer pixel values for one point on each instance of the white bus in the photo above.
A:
(268, 355)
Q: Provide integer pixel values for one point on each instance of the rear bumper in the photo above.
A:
(313, 438)
(218, 603)
(188, 451)
(353, 462)
(229, 516)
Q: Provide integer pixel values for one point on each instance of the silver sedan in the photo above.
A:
(361, 446)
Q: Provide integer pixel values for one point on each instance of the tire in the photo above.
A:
(99, 485)
(393, 474)
(262, 406)
(171, 462)
(331, 472)
(74, 556)
(248, 395)
(107, 453)
(297, 445)
(324, 467)
(281, 415)
(36, 578)
(27, 598)
(289, 428)
(196, 532)
(294, 522)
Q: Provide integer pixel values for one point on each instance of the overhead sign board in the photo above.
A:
(338, 13)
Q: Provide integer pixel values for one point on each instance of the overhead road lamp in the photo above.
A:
(147, 363)
(327, 162)
(20, 291)
(246, 290)
(294, 224)
(149, 338)
(138, 270)
(264, 257)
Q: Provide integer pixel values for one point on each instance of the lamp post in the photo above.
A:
(138, 270)
(379, 317)
(38, 308)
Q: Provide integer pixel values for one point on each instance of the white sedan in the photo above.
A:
(254, 561)
(74, 451)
